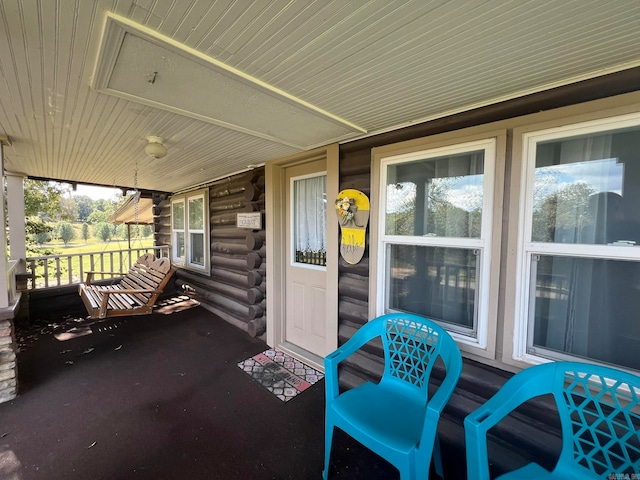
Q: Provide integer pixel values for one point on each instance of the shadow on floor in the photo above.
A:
(161, 397)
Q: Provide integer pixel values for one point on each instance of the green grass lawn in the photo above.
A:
(93, 245)
(95, 256)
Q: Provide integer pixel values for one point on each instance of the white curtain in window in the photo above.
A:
(586, 149)
(310, 218)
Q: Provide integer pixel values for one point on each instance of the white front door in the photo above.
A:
(302, 293)
(305, 324)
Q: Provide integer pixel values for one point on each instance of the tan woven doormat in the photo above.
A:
(279, 373)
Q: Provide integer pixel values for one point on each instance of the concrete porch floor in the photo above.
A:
(161, 397)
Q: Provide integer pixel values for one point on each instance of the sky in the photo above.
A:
(97, 193)
(606, 175)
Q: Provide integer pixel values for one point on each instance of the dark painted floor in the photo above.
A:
(161, 397)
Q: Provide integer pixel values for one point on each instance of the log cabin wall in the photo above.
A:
(235, 290)
(353, 280)
(355, 172)
(161, 219)
(535, 435)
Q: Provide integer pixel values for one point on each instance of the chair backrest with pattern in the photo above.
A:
(600, 414)
(412, 345)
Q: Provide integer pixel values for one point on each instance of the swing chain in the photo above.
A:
(136, 193)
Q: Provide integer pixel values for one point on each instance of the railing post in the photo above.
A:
(70, 268)
(58, 271)
(46, 273)
(32, 270)
(81, 260)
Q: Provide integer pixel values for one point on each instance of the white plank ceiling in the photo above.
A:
(373, 65)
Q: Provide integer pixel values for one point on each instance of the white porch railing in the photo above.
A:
(11, 280)
(59, 270)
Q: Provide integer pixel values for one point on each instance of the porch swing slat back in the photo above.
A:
(135, 294)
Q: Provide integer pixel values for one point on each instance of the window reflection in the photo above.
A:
(437, 282)
(587, 308)
(586, 190)
(178, 215)
(439, 197)
(180, 244)
(196, 213)
(197, 248)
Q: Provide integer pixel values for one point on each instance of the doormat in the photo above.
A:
(281, 374)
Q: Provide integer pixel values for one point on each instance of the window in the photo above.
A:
(178, 228)
(579, 247)
(435, 236)
(196, 231)
(190, 230)
(309, 219)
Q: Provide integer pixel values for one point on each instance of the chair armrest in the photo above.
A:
(364, 334)
(523, 386)
(435, 405)
(104, 304)
(91, 273)
(452, 376)
(440, 398)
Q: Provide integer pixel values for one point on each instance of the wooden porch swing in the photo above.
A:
(135, 294)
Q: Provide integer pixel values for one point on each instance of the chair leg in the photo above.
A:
(407, 470)
(328, 439)
(437, 457)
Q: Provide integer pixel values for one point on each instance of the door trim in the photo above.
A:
(276, 207)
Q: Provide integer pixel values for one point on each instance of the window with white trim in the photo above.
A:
(434, 236)
(579, 246)
(178, 223)
(190, 230)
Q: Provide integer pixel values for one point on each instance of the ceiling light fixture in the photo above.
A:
(155, 148)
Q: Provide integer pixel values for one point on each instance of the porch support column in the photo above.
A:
(4, 260)
(17, 224)
(8, 346)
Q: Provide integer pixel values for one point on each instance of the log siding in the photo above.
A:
(235, 289)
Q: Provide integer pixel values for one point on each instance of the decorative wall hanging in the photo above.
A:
(352, 207)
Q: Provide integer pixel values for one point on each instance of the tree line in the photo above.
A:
(51, 213)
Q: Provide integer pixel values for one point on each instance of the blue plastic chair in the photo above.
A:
(395, 418)
(599, 416)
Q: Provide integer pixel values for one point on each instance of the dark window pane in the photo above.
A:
(588, 308)
(437, 282)
(197, 248)
(179, 238)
